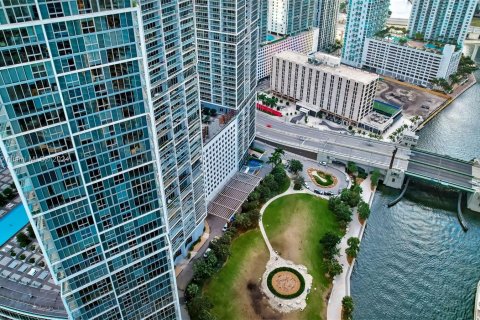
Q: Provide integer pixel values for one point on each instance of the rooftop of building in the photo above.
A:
(399, 36)
(330, 64)
(214, 120)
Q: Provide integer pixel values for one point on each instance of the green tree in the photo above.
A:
(298, 182)
(254, 196)
(347, 308)
(270, 181)
(265, 192)
(23, 240)
(30, 232)
(334, 268)
(350, 197)
(351, 167)
(419, 36)
(8, 193)
(31, 260)
(295, 166)
(3, 200)
(204, 268)
(353, 247)
(250, 205)
(22, 257)
(221, 249)
(363, 210)
(375, 177)
(199, 308)
(192, 291)
(329, 242)
(343, 214)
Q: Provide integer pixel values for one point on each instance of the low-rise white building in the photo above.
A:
(414, 61)
(319, 83)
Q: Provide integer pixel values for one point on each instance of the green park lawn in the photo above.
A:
(227, 290)
(294, 225)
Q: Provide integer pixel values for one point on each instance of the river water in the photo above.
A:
(415, 261)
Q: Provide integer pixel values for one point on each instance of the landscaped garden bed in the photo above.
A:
(322, 179)
(286, 283)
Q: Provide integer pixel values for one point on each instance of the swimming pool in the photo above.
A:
(270, 37)
(12, 222)
(254, 163)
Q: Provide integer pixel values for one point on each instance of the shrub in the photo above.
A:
(12, 253)
(329, 242)
(353, 247)
(347, 308)
(328, 180)
(334, 268)
(363, 210)
(22, 257)
(31, 260)
(41, 264)
(289, 296)
(375, 178)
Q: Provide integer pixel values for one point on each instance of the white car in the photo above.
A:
(225, 227)
(207, 252)
(323, 163)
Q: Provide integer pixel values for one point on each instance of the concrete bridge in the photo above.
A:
(395, 162)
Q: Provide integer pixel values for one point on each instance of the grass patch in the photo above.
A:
(227, 290)
(475, 22)
(294, 225)
(325, 182)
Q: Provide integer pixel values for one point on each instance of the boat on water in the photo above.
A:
(476, 312)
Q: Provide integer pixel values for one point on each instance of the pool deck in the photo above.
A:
(5, 181)
(19, 289)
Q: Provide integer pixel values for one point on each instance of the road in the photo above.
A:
(311, 141)
(341, 146)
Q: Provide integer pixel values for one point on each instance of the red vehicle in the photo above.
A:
(269, 125)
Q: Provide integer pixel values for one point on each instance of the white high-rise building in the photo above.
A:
(364, 19)
(288, 17)
(227, 69)
(441, 20)
(326, 15)
(320, 84)
(415, 64)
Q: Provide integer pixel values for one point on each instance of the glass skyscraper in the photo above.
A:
(364, 19)
(326, 15)
(100, 125)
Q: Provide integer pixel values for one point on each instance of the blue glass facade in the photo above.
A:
(84, 140)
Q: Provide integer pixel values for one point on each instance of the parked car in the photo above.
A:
(323, 163)
(207, 252)
(225, 227)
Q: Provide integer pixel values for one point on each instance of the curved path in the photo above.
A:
(276, 261)
(262, 210)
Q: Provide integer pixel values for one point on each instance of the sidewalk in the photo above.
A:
(184, 263)
(341, 283)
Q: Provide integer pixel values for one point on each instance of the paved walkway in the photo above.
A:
(277, 261)
(341, 283)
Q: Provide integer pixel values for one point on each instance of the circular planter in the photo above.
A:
(286, 283)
